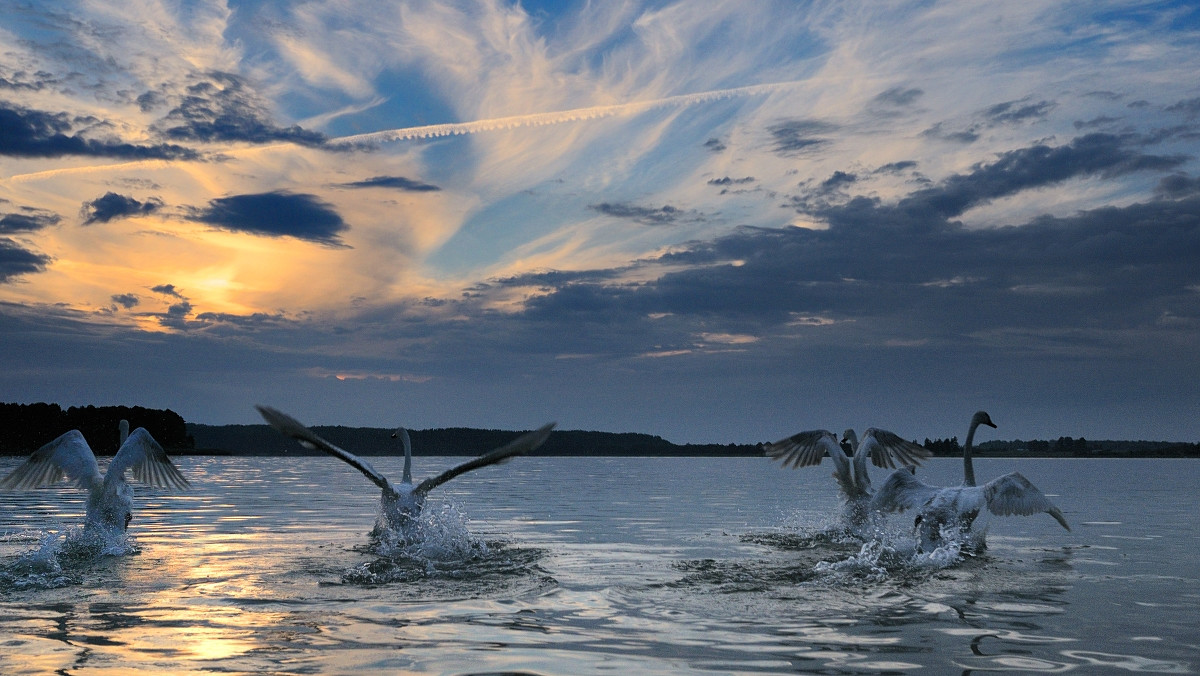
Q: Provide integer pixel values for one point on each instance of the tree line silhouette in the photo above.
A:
(1067, 447)
(26, 427)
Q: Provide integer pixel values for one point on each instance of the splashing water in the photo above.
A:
(437, 544)
(890, 552)
(59, 555)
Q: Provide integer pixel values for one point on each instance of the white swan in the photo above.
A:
(886, 449)
(401, 502)
(110, 497)
(958, 506)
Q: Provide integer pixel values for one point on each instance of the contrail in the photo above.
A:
(459, 128)
(558, 117)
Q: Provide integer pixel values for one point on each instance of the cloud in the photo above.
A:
(1028, 168)
(397, 182)
(167, 290)
(794, 137)
(896, 167)
(222, 108)
(126, 300)
(16, 260)
(35, 133)
(112, 206)
(664, 215)
(899, 96)
(1016, 112)
(726, 181)
(1189, 107)
(29, 220)
(1177, 185)
(276, 214)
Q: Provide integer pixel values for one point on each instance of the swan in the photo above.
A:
(402, 502)
(958, 506)
(110, 497)
(886, 449)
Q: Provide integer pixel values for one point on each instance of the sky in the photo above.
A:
(711, 220)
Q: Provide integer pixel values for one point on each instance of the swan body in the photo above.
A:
(110, 497)
(402, 502)
(956, 507)
(885, 449)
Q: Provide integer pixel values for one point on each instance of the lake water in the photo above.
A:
(600, 566)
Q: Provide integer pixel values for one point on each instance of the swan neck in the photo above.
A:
(407, 456)
(968, 467)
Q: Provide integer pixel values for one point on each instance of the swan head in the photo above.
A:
(982, 418)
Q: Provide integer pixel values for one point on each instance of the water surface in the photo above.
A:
(600, 565)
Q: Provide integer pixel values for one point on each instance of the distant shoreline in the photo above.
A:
(26, 427)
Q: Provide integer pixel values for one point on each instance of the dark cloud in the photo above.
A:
(222, 108)
(965, 136)
(1017, 112)
(1188, 107)
(837, 181)
(899, 96)
(276, 214)
(896, 167)
(15, 260)
(34, 133)
(794, 137)
(176, 316)
(28, 220)
(396, 182)
(1100, 121)
(664, 215)
(1177, 185)
(252, 321)
(716, 145)
(726, 181)
(112, 206)
(1037, 166)
(1007, 113)
(21, 81)
(167, 290)
(126, 300)
(907, 273)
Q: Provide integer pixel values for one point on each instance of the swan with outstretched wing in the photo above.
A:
(884, 448)
(110, 497)
(957, 507)
(402, 502)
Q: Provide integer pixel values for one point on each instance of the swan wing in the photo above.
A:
(1014, 495)
(148, 460)
(291, 427)
(902, 491)
(523, 444)
(67, 455)
(890, 450)
(805, 449)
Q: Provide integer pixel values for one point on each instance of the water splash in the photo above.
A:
(59, 556)
(439, 546)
